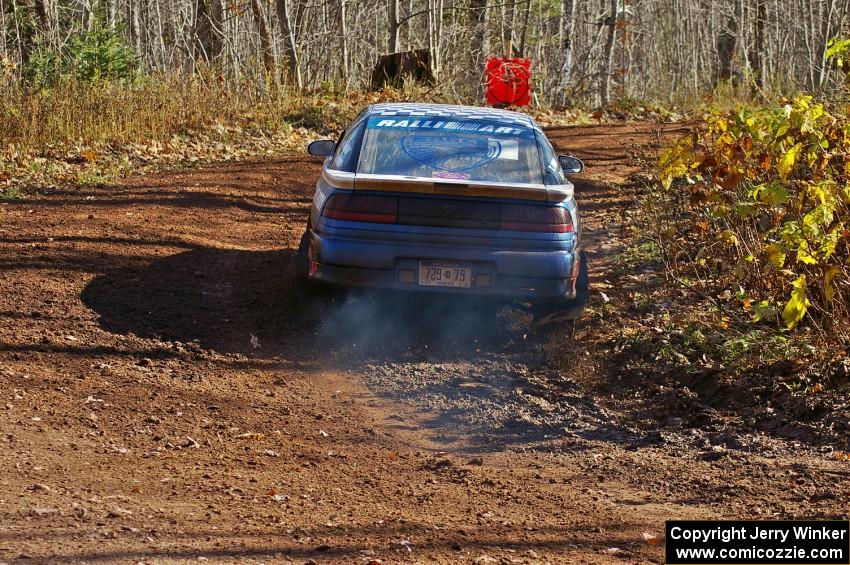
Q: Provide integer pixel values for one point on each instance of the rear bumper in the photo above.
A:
(543, 276)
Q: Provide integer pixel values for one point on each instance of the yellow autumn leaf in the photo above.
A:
(828, 277)
(787, 161)
(776, 255)
(803, 255)
(797, 305)
(727, 236)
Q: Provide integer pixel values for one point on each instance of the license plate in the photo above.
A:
(436, 273)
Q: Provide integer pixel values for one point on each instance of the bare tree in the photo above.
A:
(726, 47)
(208, 19)
(290, 42)
(343, 34)
(480, 46)
(265, 37)
(611, 22)
(568, 22)
(757, 53)
(393, 25)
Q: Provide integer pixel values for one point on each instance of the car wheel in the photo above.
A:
(314, 299)
(302, 257)
(565, 312)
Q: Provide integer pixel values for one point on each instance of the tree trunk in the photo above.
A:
(343, 32)
(290, 44)
(45, 29)
(393, 26)
(111, 16)
(135, 8)
(265, 37)
(208, 30)
(743, 39)
(605, 94)
(827, 31)
(437, 53)
(726, 49)
(757, 54)
(430, 25)
(480, 47)
(509, 21)
(569, 19)
(524, 33)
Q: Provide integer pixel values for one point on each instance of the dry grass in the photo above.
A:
(74, 113)
(80, 132)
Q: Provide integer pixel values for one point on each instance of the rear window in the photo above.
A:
(476, 150)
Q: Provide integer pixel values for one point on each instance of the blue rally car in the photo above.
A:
(447, 199)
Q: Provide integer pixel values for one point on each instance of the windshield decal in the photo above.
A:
(481, 127)
(457, 153)
(451, 176)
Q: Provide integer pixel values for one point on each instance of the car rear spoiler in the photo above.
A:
(448, 187)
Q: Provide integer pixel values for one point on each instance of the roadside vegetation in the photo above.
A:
(754, 208)
(740, 256)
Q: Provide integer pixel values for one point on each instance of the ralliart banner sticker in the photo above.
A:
(761, 542)
(479, 127)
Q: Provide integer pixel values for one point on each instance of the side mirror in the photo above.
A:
(570, 165)
(321, 148)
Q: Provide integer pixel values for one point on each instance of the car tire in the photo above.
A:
(314, 299)
(570, 311)
(302, 257)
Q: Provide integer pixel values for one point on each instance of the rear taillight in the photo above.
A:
(362, 208)
(530, 217)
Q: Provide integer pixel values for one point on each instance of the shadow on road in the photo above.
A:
(471, 370)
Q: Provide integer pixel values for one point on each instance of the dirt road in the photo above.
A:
(162, 401)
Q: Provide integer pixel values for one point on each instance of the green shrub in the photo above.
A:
(764, 197)
(99, 54)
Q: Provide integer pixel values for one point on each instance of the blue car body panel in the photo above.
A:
(518, 265)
